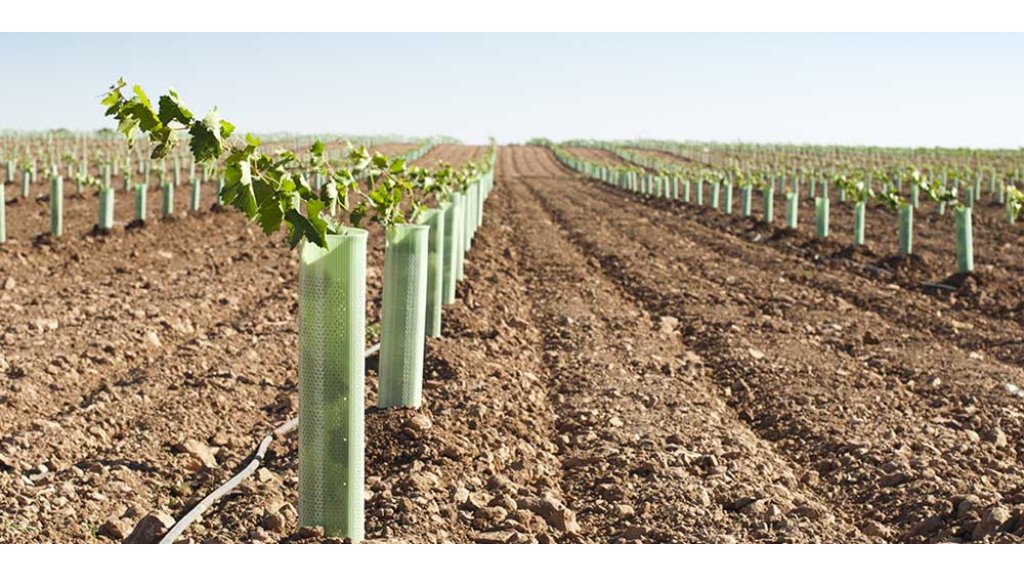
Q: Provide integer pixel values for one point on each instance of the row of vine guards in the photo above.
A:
(105, 191)
(275, 191)
(638, 175)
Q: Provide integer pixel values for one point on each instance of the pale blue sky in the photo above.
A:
(910, 89)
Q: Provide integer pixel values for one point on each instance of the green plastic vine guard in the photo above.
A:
(140, 203)
(906, 230)
(715, 189)
(914, 196)
(481, 196)
(792, 205)
(57, 207)
(26, 181)
(460, 212)
(220, 190)
(434, 218)
(332, 341)
(450, 259)
(106, 176)
(105, 219)
(700, 192)
(196, 192)
(177, 172)
(3, 215)
(468, 213)
(810, 190)
(728, 198)
(769, 205)
(745, 201)
(821, 216)
(403, 316)
(9, 176)
(858, 223)
(168, 203)
(686, 192)
(1009, 214)
(964, 240)
(842, 195)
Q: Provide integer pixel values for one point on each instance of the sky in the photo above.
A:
(877, 89)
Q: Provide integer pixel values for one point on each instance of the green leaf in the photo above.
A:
(206, 144)
(172, 108)
(226, 129)
(312, 226)
(317, 149)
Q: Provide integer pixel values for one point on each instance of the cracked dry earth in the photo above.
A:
(614, 370)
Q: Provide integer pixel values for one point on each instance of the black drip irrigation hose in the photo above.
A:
(254, 463)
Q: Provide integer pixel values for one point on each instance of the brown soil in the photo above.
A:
(614, 370)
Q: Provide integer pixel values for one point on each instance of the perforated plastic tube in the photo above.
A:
(745, 202)
(196, 192)
(906, 230)
(105, 219)
(461, 201)
(434, 218)
(792, 205)
(858, 223)
(403, 316)
(468, 208)
(332, 335)
(57, 207)
(3, 214)
(451, 251)
(140, 202)
(26, 181)
(168, 204)
(715, 189)
(728, 198)
(964, 240)
(769, 206)
(821, 216)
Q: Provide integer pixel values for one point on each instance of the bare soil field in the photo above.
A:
(614, 370)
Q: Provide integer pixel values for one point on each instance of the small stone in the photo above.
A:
(264, 475)
(967, 504)
(755, 353)
(927, 526)
(894, 479)
(616, 422)
(668, 324)
(552, 511)
(492, 514)
(419, 423)
(972, 436)
(10, 284)
(152, 339)
(200, 452)
(498, 537)
(273, 522)
(113, 529)
(460, 496)
(991, 521)
(876, 529)
(624, 511)
(151, 528)
(997, 437)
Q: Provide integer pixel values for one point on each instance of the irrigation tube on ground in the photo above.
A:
(254, 463)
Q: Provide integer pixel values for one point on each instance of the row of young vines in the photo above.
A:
(324, 201)
(108, 169)
(710, 175)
